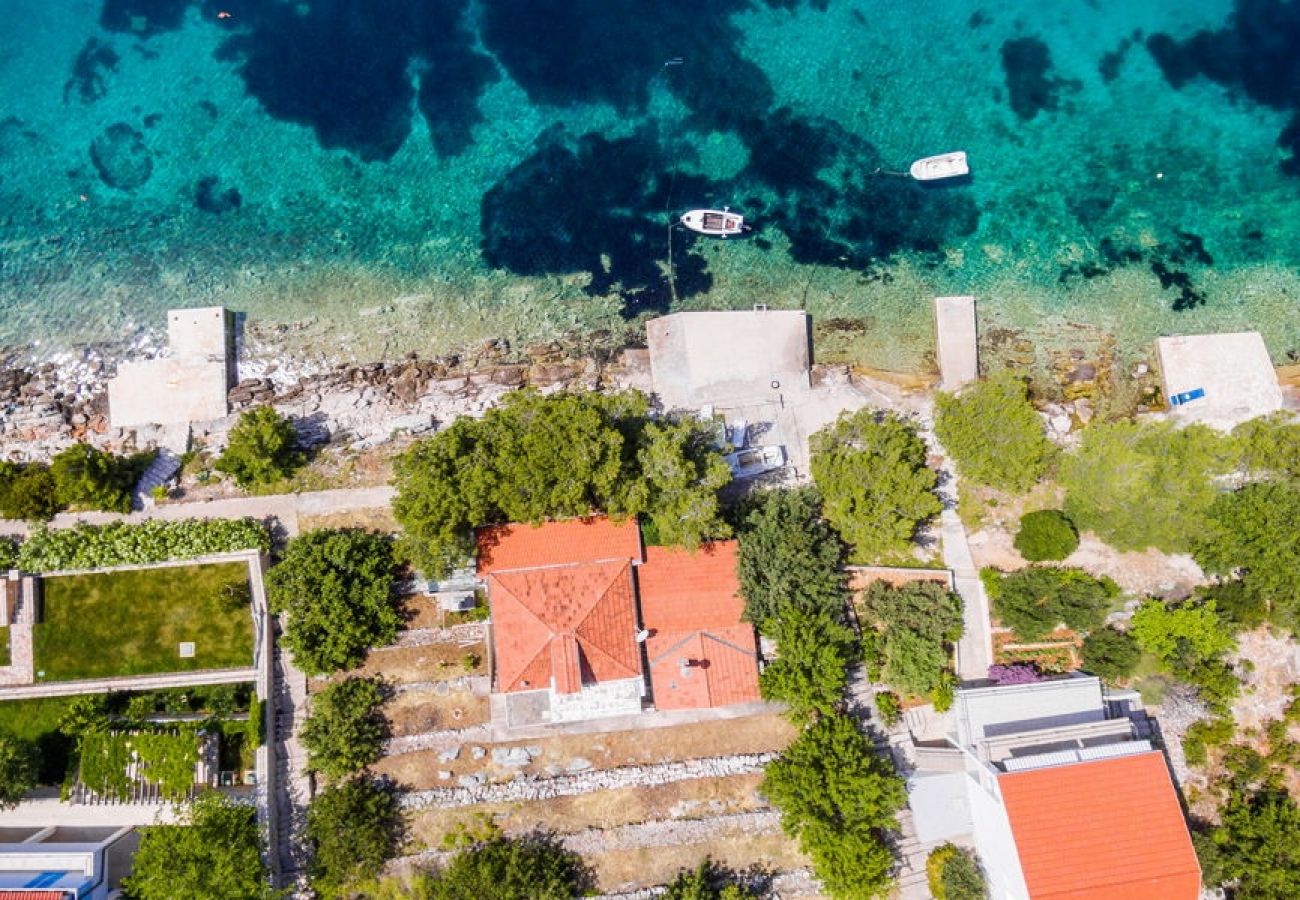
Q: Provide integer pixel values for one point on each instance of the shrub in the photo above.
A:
(889, 707)
(912, 664)
(533, 867)
(334, 588)
(1202, 735)
(917, 623)
(1035, 600)
(346, 729)
(1111, 653)
(27, 492)
(263, 449)
(1256, 838)
(871, 471)
(93, 479)
(1015, 673)
(993, 433)
(1046, 534)
(1253, 531)
(954, 874)
(17, 769)
(944, 693)
(1270, 445)
(709, 881)
(155, 540)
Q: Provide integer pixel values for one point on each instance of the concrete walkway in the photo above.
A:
(132, 683)
(284, 507)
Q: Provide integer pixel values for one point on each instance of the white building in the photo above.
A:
(64, 863)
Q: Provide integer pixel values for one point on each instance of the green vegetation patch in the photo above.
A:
(131, 623)
(4, 645)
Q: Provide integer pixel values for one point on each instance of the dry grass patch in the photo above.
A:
(376, 519)
(431, 662)
(626, 870)
(692, 799)
(416, 712)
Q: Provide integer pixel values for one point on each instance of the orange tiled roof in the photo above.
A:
(700, 653)
(570, 623)
(592, 539)
(1109, 829)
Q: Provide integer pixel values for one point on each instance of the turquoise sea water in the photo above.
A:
(386, 175)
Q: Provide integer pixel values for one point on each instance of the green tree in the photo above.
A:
(91, 478)
(1145, 485)
(811, 668)
(1259, 853)
(27, 492)
(912, 663)
(534, 867)
(263, 449)
(334, 587)
(1270, 445)
(1169, 632)
(353, 827)
(708, 881)
(214, 853)
(18, 769)
(840, 800)
(1110, 653)
(871, 471)
(1036, 599)
(346, 729)
(993, 433)
(681, 474)
(1254, 531)
(1046, 534)
(790, 558)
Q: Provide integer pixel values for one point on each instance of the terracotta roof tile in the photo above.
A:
(700, 653)
(593, 539)
(1109, 829)
(571, 623)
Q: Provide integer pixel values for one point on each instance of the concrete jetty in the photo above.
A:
(956, 339)
(190, 384)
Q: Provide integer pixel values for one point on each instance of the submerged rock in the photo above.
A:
(121, 157)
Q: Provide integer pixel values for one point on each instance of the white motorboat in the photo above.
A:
(714, 222)
(755, 460)
(936, 168)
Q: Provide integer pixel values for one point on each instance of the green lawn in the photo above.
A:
(4, 645)
(130, 623)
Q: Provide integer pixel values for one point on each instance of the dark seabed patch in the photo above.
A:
(121, 157)
(1033, 88)
(89, 70)
(1256, 54)
(1168, 262)
(1111, 61)
(143, 17)
(343, 68)
(212, 195)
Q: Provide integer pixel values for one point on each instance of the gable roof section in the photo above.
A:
(572, 623)
(522, 546)
(1108, 829)
(701, 654)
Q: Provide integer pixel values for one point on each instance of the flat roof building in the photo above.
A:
(63, 863)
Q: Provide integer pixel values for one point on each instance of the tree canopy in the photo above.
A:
(90, 478)
(993, 433)
(1254, 531)
(811, 668)
(1110, 653)
(18, 769)
(916, 622)
(1034, 600)
(1258, 848)
(334, 587)
(213, 854)
(536, 457)
(840, 800)
(1190, 640)
(708, 881)
(27, 491)
(954, 874)
(353, 827)
(871, 471)
(263, 448)
(1269, 446)
(790, 559)
(1145, 485)
(533, 867)
(346, 729)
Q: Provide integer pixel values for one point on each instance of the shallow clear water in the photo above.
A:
(385, 175)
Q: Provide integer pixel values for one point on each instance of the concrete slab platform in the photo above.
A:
(189, 385)
(699, 358)
(1234, 370)
(957, 341)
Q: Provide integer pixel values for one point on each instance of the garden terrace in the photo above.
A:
(135, 621)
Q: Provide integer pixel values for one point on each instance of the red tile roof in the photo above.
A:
(1109, 829)
(593, 539)
(575, 624)
(700, 653)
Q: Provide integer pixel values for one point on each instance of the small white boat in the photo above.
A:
(714, 222)
(935, 168)
(755, 460)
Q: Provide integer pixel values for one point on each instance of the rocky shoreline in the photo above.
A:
(46, 406)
